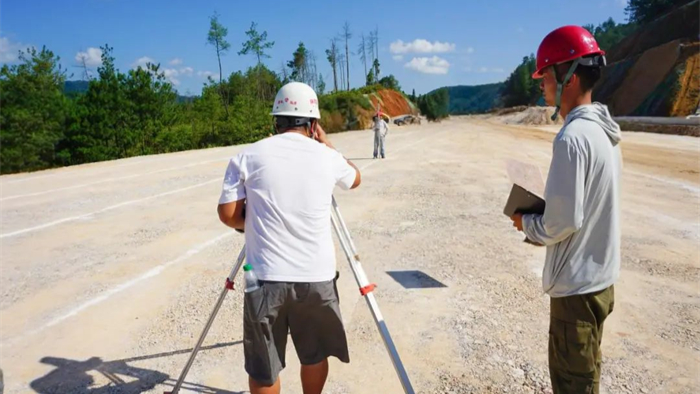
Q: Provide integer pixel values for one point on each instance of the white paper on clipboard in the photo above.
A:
(527, 176)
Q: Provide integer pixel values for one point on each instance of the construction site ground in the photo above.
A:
(110, 270)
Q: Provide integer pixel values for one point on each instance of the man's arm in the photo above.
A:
(563, 213)
(358, 177)
(231, 206)
(232, 214)
(322, 137)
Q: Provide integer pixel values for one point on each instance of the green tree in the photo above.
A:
(435, 105)
(217, 38)
(152, 101)
(321, 85)
(643, 11)
(257, 43)
(370, 77)
(207, 115)
(33, 111)
(121, 115)
(99, 129)
(375, 67)
(298, 64)
(609, 33)
(519, 87)
(390, 82)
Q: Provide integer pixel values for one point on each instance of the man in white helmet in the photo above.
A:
(286, 184)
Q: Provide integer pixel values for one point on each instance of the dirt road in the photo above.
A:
(110, 270)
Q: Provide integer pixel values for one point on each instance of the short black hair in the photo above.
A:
(588, 75)
(290, 122)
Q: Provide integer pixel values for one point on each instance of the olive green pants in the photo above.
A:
(575, 335)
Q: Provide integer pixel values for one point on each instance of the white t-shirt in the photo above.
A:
(287, 181)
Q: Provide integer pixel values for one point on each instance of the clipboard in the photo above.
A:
(526, 195)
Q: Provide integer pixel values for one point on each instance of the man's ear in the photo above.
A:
(312, 129)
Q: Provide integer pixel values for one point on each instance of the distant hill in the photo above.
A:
(655, 71)
(74, 88)
(185, 99)
(474, 99)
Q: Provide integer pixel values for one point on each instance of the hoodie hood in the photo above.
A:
(599, 114)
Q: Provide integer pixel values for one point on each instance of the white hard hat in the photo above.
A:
(296, 99)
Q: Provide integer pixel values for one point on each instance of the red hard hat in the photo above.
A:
(565, 44)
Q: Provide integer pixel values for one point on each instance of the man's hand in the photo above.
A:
(319, 133)
(517, 221)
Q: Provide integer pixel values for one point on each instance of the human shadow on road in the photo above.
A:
(76, 377)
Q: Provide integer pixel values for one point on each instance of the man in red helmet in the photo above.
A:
(581, 222)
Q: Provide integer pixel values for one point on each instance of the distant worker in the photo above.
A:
(285, 183)
(381, 129)
(581, 222)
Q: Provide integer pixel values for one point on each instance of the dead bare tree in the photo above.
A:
(362, 52)
(376, 42)
(341, 64)
(347, 36)
(332, 56)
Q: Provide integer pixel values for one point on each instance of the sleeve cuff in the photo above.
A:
(346, 182)
(527, 225)
(228, 196)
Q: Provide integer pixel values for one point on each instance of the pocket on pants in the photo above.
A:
(254, 304)
(571, 346)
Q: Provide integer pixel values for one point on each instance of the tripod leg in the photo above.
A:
(366, 290)
(228, 286)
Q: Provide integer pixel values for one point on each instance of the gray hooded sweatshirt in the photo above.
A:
(581, 221)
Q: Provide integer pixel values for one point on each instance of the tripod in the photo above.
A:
(366, 289)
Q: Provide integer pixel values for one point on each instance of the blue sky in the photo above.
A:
(460, 42)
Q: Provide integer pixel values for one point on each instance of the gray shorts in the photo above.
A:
(309, 311)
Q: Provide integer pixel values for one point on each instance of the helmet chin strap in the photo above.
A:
(560, 86)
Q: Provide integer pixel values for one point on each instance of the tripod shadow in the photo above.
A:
(78, 377)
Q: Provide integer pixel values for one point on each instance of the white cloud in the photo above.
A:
(9, 50)
(470, 50)
(398, 58)
(188, 71)
(429, 65)
(175, 62)
(171, 74)
(142, 62)
(92, 57)
(420, 46)
(205, 74)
